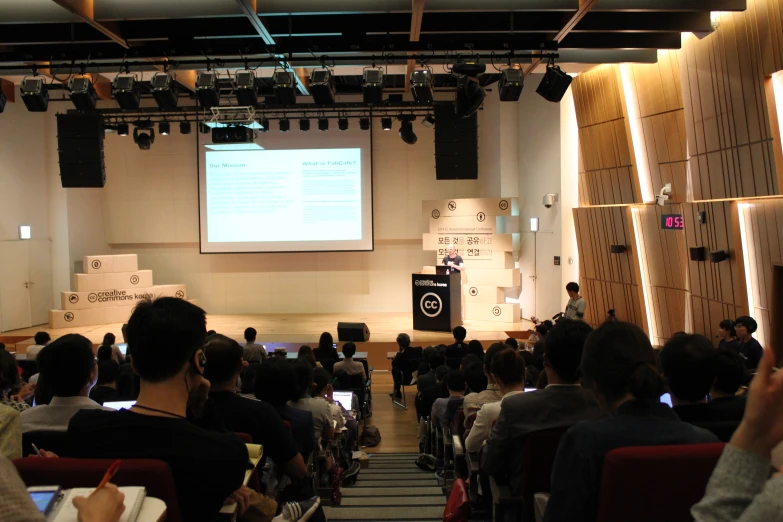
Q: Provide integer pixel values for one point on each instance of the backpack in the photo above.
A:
(370, 436)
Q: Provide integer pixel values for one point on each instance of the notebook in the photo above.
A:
(134, 498)
(254, 452)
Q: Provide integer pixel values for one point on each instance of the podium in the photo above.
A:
(437, 302)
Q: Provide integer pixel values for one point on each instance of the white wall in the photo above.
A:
(569, 193)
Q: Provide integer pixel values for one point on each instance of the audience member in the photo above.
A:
(10, 383)
(404, 354)
(225, 410)
(725, 404)
(575, 309)
(128, 382)
(740, 487)
(253, 352)
(512, 343)
(305, 354)
(475, 378)
(560, 403)
(619, 365)
(10, 433)
(455, 383)
(690, 364)
(166, 339)
(116, 353)
(210, 333)
(41, 340)
(67, 367)
(326, 348)
(276, 385)
(105, 389)
(104, 354)
(322, 391)
(475, 348)
(459, 349)
(491, 392)
(2, 346)
(468, 360)
(749, 348)
(322, 414)
(728, 336)
(507, 372)
(348, 365)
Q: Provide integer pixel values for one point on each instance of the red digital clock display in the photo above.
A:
(672, 222)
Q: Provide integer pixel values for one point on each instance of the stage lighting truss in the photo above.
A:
(164, 90)
(285, 87)
(233, 115)
(372, 86)
(245, 87)
(322, 86)
(207, 89)
(35, 94)
(82, 93)
(125, 90)
(421, 85)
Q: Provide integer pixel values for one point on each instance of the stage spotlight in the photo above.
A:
(164, 90)
(470, 96)
(207, 89)
(421, 85)
(184, 127)
(554, 84)
(428, 121)
(82, 93)
(144, 139)
(386, 123)
(510, 85)
(342, 123)
(203, 128)
(407, 134)
(364, 123)
(122, 129)
(164, 128)
(285, 125)
(285, 87)
(3, 101)
(125, 91)
(304, 125)
(34, 94)
(322, 86)
(245, 86)
(323, 124)
(265, 125)
(372, 86)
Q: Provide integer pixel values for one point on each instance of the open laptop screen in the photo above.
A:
(345, 398)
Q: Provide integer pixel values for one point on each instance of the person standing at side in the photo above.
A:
(575, 309)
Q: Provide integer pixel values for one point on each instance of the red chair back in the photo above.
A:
(539, 450)
(654, 483)
(247, 439)
(154, 475)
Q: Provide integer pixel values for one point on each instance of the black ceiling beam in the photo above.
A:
(671, 5)
(621, 41)
(49, 33)
(698, 21)
(339, 23)
(492, 21)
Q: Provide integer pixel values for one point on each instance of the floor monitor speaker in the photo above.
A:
(355, 332)
(80, 150)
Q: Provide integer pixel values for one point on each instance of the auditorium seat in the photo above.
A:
(654, 483)
(154, 475)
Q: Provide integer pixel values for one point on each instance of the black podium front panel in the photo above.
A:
(437, 302)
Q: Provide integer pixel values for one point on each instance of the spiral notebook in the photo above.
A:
(134, 498)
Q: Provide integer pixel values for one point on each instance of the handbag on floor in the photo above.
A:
(370, 437)
(458, 506)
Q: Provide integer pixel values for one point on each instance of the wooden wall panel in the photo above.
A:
(717, 289)
(606, 174)
(767, 16)
(607, 280)
(665, 255)
(727, 119)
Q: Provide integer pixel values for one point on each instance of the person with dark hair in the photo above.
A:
(2, 346)
(562, 402)
(166, 339)
(491, 392)
(276, 385)
(512, 343)
(690, 365)
(41, 340)
(104, 354)
(475, 378)
(68, 367)
(468, 360)
(225, 410)
(326, 349)
(105, 389)
(455, 384)
(459, 349)
(475, 348)
(10, 382)
(728, 336)
(404, 354)
(348, 365)
(619, 365)
(749, 348)
(575, 309)
(322, 414)
(210, 333)
(116, 353)
(253, 352)
(322, 391)
(508, 372)
(305, 354)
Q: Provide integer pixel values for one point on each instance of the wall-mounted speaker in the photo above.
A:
(456, 144)
(618, 249)
(80, 150)
(354, 332)
(718, 256)
(698, 254)
(702, 217)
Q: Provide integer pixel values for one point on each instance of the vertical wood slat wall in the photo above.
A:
(708, 127)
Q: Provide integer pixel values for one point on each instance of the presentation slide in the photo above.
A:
(286, 199)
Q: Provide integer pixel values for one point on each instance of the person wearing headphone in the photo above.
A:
(166, 340)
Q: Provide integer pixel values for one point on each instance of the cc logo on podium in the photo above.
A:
(481, 216)
(134, 279)
(435, 214)
(452, 205)
(473, 291)
(68, 317)
(430, 304)
(503, 204)
(496, 311)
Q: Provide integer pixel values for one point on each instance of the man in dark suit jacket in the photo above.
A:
(459, 349)
(406, 353)
(561, 404)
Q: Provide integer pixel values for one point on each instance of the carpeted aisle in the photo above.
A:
(392, 488)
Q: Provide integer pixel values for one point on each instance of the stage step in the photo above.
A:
(406, 491)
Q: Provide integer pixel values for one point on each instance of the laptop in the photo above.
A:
(123, 348)
(345, 398)
(442, 270)
(118, 405)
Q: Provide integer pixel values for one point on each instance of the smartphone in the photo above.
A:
(666, 398)
(44, 497)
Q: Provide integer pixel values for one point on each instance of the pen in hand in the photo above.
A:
(109, 474)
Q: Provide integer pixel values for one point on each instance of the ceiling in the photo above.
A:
(348, 35)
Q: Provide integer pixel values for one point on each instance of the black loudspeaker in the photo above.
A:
(698, 254)
(718, 256)
(456, 144)
(80, 149)
(355, 332)
(554, 84)
(617, 249)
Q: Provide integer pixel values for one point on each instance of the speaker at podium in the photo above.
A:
(437, 301)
